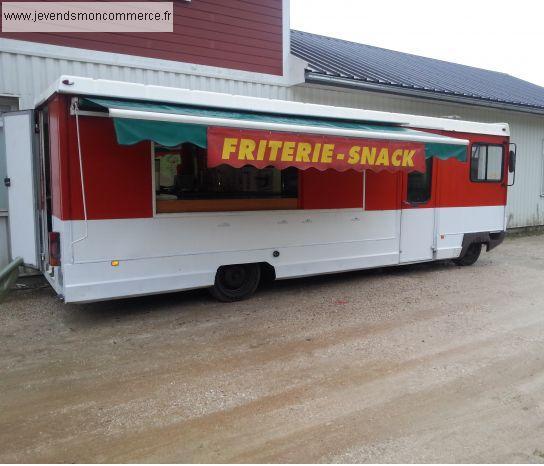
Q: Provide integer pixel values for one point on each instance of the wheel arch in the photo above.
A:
(490, 239)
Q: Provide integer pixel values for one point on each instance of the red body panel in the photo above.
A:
(383, 190)
(330, 189)
(455, 187)
(118, 178)
(58, 149)
(244, 35)
(451, 183)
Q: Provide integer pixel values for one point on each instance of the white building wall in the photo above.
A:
(26, 72)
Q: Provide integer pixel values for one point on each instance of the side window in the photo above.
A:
(419, 184)
(486, 163)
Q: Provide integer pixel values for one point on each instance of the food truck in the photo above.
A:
(119, 189)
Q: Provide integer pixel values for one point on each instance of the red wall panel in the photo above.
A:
(58, 150)
(454, 186)
(239, 34)
(330, 189)
(456, 189)
(383, 190)
(117, 178)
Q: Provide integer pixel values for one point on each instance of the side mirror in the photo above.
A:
(512, 162)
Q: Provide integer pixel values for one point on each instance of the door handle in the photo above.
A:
(7, 182)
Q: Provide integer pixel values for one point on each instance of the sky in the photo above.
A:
(506, 36)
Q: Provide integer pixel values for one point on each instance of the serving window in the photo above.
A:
(184, 183)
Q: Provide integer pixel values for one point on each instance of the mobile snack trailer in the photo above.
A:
(121, 189)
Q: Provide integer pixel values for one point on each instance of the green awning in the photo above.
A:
(145, 121)
(166, 133)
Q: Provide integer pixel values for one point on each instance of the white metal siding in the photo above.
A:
(27, 76)
(6, 104)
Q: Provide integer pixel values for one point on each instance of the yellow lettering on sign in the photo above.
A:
(247, 146)
(328, 151)
(407, 158)
(368, 156)
(396, 158)
(303, 152)
(229, 146)
(262, 148)
(288, 151)
(275, 146)
(317, 150)
(354, 155)
(383, 158)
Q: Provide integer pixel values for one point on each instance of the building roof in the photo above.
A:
(340, 62)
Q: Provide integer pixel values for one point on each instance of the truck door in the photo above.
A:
(22, 186)
(417, 219)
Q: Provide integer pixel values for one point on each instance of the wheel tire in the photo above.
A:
(236, 282)
(470, 256)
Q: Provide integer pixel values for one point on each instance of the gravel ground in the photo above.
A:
(427, 363)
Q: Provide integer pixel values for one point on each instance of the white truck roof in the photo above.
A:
(82, 86)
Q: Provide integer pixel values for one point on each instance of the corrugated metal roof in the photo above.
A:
(397, 72)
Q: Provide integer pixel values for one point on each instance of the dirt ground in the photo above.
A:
(427, 363)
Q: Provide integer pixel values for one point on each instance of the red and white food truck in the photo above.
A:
(120, 189)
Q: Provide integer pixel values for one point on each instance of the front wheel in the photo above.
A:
(236, 282)
(470, 256)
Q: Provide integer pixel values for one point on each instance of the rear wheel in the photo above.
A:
(236, 282)
(470, 256)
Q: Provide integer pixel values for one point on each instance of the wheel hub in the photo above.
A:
(234, 277)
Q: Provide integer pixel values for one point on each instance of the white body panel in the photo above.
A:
(18, 130)
(453, 222)
(417, 234)
(183, 251)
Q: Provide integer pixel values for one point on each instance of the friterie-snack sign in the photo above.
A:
(239, 147)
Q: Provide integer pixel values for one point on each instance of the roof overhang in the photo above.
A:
(318, 78)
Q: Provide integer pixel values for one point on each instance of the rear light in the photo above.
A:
(54, 248)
